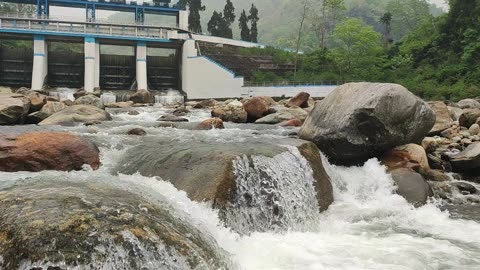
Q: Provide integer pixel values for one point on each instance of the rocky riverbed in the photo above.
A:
(370, 177)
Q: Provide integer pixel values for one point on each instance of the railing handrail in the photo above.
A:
(34, 17)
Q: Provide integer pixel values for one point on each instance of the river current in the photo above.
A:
(367, 227)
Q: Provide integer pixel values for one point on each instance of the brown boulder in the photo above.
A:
(37, 101)
(53, 107)
(411, 156)
(300, 100)
(40, 151)
(256, 108)
(291, 123)
(443, 119)
(213, 123)
(141, 96)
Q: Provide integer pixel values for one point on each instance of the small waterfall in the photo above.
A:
(172, 97)
(63, 93)
(108, 98)
(274, 194)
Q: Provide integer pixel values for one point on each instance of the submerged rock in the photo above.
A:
(360, 120)
(172, 118)
(137, 132)
(412, 186)
(213, 123)
(85, 224)
(141, 96)
(77, 114)
(13, 108)
(38, 151)
(258, 186)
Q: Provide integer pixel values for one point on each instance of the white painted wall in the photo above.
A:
(91, 64)
(183, 20)
(227, 41)
(289, 91)
(142, 66)
(203, 78)
(40, 62)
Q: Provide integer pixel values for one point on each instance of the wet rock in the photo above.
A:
(213, 123)
(141, 96)
(77, 114)
(235, 176)
(79, 94)
(40, 151)
(13, 108)
(126, 104)
(208, 103)
(172, 118)
(469, 117)
(411, 186)
(300, 100)
(468, 159)
(133, 112)
(468, 104)
(360, 120)
(281, 114)
(90, 100)
(406, 156)
(36, 117)
(256, 108)
(52, 107)
(137, 132)
(180, 112)
(82, 223)
(37, 101)
(443, 119)
(232, 112)
(291, 123)
(434, 175)
(465, 188)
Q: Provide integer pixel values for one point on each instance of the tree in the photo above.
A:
(299, 36)
(356, 45)
(407, 15)
(195, 6)
(253, 17)
(386, 20)
(229, 18)
(217, 25)
(243, 24)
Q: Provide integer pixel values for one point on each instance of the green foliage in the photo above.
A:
(280, 57)
(195, 6)
(243, 25)
(218, 26)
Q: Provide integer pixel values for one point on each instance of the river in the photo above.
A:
(367, 227)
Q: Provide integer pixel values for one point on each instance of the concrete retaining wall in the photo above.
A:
(289, 91)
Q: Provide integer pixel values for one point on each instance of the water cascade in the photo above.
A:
(108, 98)
(63, 93)
(172, 97)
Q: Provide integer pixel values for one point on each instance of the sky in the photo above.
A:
(440, 3)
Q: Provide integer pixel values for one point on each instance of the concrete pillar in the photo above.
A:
(188, 50)
(183, 20)
(40, 62)
(97, 65)
(92, 64)
(142, 65)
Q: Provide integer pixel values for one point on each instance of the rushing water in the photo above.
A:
(367, 227)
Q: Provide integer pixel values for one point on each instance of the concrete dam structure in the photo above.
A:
(160, 57)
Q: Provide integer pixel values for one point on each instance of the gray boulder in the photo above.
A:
(53, 107)
(469, 104)
(282, 114)
(358, 121)
(77, 114)
(90, 100)
(13, 108)
(412, 186)
(141, 96)
(468, 159)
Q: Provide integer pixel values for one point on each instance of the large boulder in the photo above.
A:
(282, 114)
(469, 117)
(468, 104)
(84, 223)
(358, 121)
(454, 112)
(13, 108)
(141, 96)
(90, 100)
(36, 117)
(256, 108)
(253, 184)
(468, 159)
(300, 100)
(40, 151)
(53, 107)
(232, 112)
(412, 186)
(443, 119)
(77, 114)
